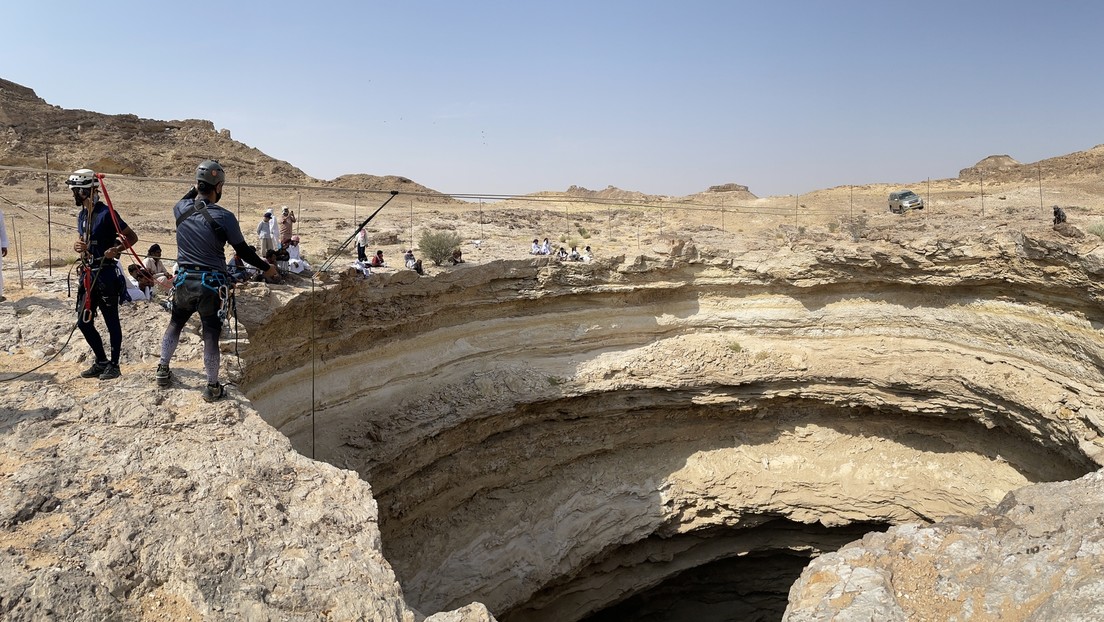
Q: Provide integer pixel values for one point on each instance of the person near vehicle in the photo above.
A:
(101, 238)
(203, 228)
(287, 224)
(265, 240)
(3, 253)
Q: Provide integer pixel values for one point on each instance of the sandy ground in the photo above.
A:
(505, 228)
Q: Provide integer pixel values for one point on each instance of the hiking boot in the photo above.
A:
(163, 375)
(110, 372)
(95, 371)
(214, 392)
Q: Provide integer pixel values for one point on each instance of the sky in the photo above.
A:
(513, 97)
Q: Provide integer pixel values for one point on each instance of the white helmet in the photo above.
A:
(84, 178)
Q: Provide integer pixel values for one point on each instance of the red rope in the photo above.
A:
(115, 219)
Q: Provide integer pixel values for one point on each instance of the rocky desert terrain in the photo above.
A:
(757, 408)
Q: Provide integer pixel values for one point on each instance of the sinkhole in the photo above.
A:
(679, 448)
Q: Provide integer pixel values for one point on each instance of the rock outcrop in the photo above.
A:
(550, 439)
(1037, 556)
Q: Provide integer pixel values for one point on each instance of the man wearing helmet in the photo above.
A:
(203, 228)
(99, 232)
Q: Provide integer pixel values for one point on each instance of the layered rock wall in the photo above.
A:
(531, 428)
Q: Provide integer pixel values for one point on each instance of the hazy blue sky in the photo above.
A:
(661, 97)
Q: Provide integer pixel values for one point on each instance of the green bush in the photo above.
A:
(438, 245)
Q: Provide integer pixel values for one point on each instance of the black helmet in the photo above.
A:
(210, 171)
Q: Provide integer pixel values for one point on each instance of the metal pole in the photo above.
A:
(929, 193)
(298, 211)
(981, 177)
(480, 220)
(18, 252)
(354, 207)
(722, 219)
(239, 196)
(852, 213)
(1040, 169)
(49, 226)
(411, 224)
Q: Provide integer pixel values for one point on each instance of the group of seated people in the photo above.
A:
(287, 258)
(144, 282)
(561, 253)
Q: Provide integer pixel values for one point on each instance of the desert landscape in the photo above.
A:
(756, 408)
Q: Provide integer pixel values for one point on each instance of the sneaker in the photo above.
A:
(95, 371)
(110, 372)
(163, 375)
(213, 392)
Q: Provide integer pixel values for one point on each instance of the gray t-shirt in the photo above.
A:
(197, 243)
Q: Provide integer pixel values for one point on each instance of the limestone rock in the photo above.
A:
(1036, 556)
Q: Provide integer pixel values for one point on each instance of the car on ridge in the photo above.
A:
(904, 200)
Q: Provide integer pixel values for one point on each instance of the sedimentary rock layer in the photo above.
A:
(537, 434)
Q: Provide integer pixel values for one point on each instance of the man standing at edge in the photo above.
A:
(203, 228)
(98, 242)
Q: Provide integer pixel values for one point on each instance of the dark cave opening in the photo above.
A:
(748, 587)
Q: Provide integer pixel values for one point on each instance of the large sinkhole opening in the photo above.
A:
(651, 504)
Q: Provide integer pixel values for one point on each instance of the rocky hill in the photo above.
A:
(128, 145)
(1004, 168)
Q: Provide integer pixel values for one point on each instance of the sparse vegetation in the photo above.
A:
(438, 245)
(1097, 229)
(734, 346)
(556, 381)
(856, 226)
(833, 227)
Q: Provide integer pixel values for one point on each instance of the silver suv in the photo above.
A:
(904, 200)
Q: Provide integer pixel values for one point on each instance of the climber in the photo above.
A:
(203, 228)
(102, 236)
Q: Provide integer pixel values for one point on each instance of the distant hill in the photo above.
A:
(128, 145)
(1004, 168)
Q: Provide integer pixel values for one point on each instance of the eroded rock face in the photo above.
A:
(537, 434)
(1038, 555)
(124, 502)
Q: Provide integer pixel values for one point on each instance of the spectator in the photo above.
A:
(296, 263)
(574, 254)
(586, 253)
(561, 253)
(140, 283)
(237, 268)
(377, 260)
(156, 268)
(361, 242)
(286, 225)
(536, 248)
(265, 240)
(408, 258)
(417, 267)
(457, 257)
(546, 247)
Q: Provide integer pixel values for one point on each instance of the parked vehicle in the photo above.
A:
(904, 200)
